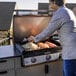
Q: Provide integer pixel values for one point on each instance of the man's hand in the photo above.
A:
(31, 39)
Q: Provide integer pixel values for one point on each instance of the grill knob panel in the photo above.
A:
(33, 60)
(48, 57)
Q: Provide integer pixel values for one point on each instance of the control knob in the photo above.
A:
(33, 60)
(48, 57)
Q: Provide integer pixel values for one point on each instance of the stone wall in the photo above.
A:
(3, 35)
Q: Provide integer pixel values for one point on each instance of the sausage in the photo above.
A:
(51, 45)
(42, 45)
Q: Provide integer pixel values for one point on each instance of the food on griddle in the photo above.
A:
(51, 45)
(30, 46)
(42, 45)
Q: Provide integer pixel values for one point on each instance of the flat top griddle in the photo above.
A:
(27, 25)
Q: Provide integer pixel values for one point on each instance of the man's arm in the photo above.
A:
(54, 24)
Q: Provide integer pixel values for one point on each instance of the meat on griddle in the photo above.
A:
(50, 44)
(40, 45)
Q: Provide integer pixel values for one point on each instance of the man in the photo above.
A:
(63, 21)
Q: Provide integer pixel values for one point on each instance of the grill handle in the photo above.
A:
(22, 61)
(2, 61)
(46, 69)
(3, 72)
